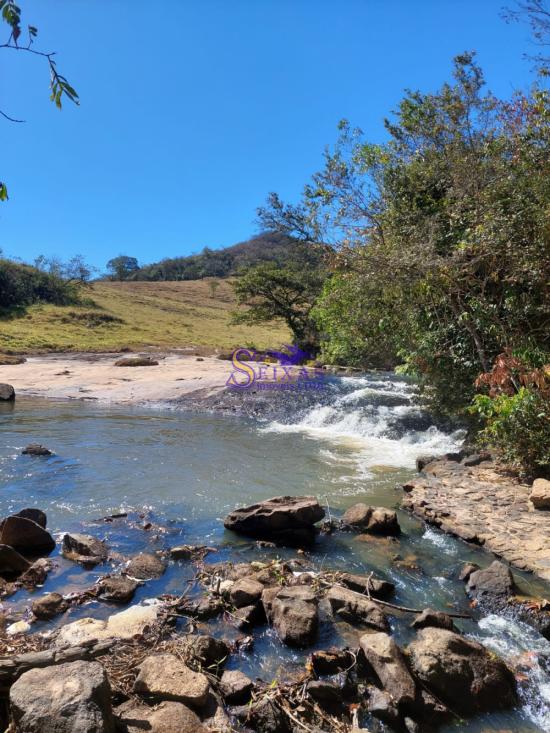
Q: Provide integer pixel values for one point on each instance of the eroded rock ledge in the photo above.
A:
(483, 504)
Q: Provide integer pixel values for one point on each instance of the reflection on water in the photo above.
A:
(184, 471)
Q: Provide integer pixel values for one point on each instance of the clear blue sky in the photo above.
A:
(193, 110)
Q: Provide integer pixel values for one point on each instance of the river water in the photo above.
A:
(184, 470)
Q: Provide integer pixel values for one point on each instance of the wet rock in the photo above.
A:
(127, 624)
(25, 536)
(37, 573)
(7, 392)
(49, 605)
(540, 494)
(206, 650)
(384, 657)
(37, 515)
(117, 588)
(236, 687)
(165, 677)
(373, 520)
(76, 697)
(263, 717)
(286, 519)
(356, 608)
(190, 552)
(12, 563)
(294, 615)
(332, 661)
(365, 584)
(135, 361)
(249, 616)
(245, 592)
(168, 717)
(84, 549)
(146, 566)
(494, 581)
(467, 570)
(460, 672)
(36, 449)
(437, 619)
(381, 705)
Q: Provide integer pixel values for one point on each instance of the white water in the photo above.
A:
(376, 417)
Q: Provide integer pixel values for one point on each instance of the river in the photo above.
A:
(184, 470)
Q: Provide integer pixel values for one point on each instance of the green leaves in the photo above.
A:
(11, 14)
(3, 192)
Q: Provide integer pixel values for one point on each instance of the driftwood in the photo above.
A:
(11, 668)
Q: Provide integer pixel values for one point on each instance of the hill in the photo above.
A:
(119, 315)
(266, 247)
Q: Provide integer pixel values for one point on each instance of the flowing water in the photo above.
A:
(183, 471)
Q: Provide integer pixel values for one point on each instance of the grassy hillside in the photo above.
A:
(135, 315)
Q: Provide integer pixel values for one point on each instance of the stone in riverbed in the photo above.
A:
(286, 519)
(245, 592)
(136, 361)
(437, 619)
(37, 573)
(190, 552)
(37, 515)
(12, 563)
(7, 392)
(127, 624)
(374, 520)
(332, 661)
(324, 691)
(165, 677)
(168, 717)
(540, 494)
(356, 608)
(263, 717)
(25, 536)
(365, 584)
(146, 566)
(236, 687)
(49, 605)
(117, 588)
(294, 615)
(76, 697)
(36, 449)
(381, 705)
(492, 582)
(206, 650)
(84, 549)
(467, 570)
(461, 673)
(384, 657)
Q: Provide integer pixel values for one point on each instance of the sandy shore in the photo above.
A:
(95, 377)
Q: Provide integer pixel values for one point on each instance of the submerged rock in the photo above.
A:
(25, 536)
(356, 608)
(293, 613)
(7, 392)
(84, 549)
(165, 677)
(76, 697)
(286, 519)
(146, 566)
(374, 520)
(460, 672)
(36, 449)
(190, 552)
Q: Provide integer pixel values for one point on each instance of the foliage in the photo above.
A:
(122, 267)
(22, 285)
(537, 15)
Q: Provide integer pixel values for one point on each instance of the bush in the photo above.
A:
(22, 285)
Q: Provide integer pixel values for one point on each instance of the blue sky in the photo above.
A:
(193, 110)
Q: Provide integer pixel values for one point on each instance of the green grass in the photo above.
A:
(134, 315)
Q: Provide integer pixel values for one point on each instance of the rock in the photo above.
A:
(136, 361)
(37, 573)
(25, 536)
(268, 596)
(37, 515)
(495, 580)
(206, 650)
(263, 717)
(373, 520)
(190, 552)
(204, 607)
(540, 494)
(19, 627)
(381, 705)
(356, 608)
(423, 461)
(168, 717)
(384, 657)
(332, 661)
(474, 459)
(12, 563)
(84, 549)
(7, 392)
(324, 691)
(365, 584)
(236, 687)
(127, 624)
(460, 672)
(286, 519)
(165, 677)
(145, 567)
(11, 360)
(248, 616)
(117, 588)
(76, 697)
(437, 619)
(49, 605)
(214, 717)
(36, 449)
(245, 592)
(467, 570)
(294, 615)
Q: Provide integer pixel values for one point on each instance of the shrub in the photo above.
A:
(22, 285)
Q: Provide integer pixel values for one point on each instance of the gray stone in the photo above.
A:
(117, 588)
(74, 697)
(372, 520)
(245, 592)
(294, 615)
(146, 566)
(37, 515)
(495, 580)
(206, 650)
(366, 584)
(356, 608)
(84, 549)
(7, 392)
(287, 519)
(437, 619)
(36, 449)
(168, 717)
(11, 562)
(386, 660)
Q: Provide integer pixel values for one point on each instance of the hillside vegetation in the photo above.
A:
(118, 315)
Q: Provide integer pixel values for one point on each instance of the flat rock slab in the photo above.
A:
(165, 677)
(124, 625)
(483, 505)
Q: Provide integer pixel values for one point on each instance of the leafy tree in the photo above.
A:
(60, 88)
(122, 267)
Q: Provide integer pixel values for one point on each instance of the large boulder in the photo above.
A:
(372, 520)
(84, 549)
(460, 672)
(492, 583)
(7, 392)
(356, 608)
(168, 717)
(165, 677)
(385, 659)
(293, 613)
(146, 566)
(540, 494)
(12, 563)
(25, 536)
(37, 515)
(285, 519)
(74, 697)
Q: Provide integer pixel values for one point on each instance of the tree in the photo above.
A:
(122, 267)
(60, 88)
(537, 14)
